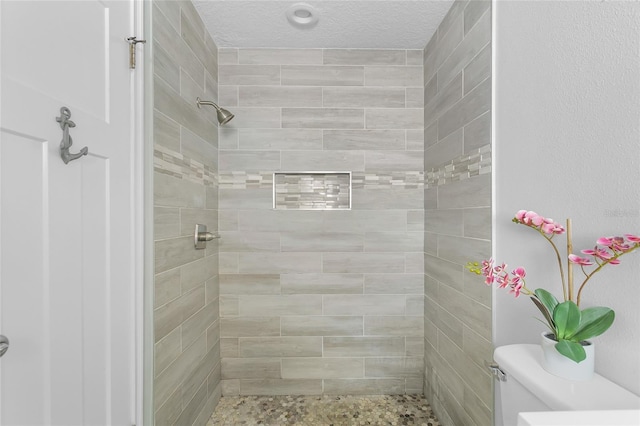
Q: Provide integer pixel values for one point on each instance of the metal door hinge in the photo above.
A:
(132, 50)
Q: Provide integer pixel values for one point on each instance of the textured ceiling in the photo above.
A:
(404, 24)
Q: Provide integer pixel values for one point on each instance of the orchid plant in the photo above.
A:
(569, 324)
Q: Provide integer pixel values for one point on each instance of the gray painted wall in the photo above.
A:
(186, 320)
(457, 209)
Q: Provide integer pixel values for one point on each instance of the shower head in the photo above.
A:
(224, 116)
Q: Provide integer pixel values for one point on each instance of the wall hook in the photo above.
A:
(65, 144)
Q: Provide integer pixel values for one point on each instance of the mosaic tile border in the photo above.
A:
(461, 168)
(464, 167)
(174, 164)
(359, 180)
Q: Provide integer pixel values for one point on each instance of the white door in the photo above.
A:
(66, 230)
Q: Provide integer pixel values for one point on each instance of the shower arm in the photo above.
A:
(200, 102)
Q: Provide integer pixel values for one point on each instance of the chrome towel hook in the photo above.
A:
(65, 144)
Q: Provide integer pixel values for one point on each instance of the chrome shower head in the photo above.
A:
(224, 116)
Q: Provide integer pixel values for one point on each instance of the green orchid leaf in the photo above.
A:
(566, 316)
(547, 299)
(572, 350)
(545, 313)
(593, 322)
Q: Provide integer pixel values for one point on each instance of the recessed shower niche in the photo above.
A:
(312, 191)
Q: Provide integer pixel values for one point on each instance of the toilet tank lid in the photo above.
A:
(523, 363)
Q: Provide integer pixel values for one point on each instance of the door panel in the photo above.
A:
(67, 283)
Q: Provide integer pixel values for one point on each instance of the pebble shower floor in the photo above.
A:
(323, 411)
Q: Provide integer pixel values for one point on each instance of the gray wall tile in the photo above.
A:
(175, 252)
(319, 118)
(441, 153)
(363, 346)
(249, 326)
(227, 56)
(457, 65)
(166, 221)
(477, 133)
(477, 223)
(321, 283)
(393, 326)
(390, 118)
(364, 386)
(321, 326)
(280, 263)
(364, 139)
(393, 283)
(166, 287)
(166, 132)
(173, 192)
(268, 305)
(322, 368)
(291, 275)
(249, 241)
(364, 57)
(393, 367)
(261, 347)
(309, 75)
(248, 74)
(363, 97)
(251, 368)
(186, 321)
(407, 76)
(393, 242)
(351, 304)
(280, 139)
(280, 96)
(474, 104)
(249, 284)
(322, 160)
(363, 262)
(380, 199)
(280, 56)
(250, 198)
(255, 117)
(393, 160)
(280, 387)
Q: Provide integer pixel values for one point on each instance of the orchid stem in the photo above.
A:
(564, 286)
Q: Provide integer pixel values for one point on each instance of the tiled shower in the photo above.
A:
(313, 299)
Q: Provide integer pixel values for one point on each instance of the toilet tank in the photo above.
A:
(529, 387)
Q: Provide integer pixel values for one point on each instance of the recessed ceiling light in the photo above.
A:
(302, 15)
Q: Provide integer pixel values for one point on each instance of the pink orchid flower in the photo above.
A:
(519, 272)
(516, 289)
(632, 238)
(619, 244)
(487, 266)
(604, 241)
(599, 253)
(534, 218)
(552, 228)
(520, 214)
(503, 280)
(583, 261)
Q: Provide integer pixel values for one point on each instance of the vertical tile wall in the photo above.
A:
(457, 209)
(186, 320)
(316, 302)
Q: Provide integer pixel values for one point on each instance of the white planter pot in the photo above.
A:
(561, 366)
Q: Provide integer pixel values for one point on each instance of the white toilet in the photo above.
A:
(528, 387)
